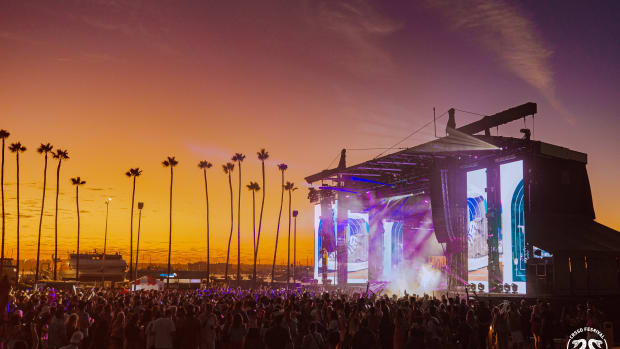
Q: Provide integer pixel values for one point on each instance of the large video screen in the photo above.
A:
(512, 255)
(357, 232)
(477, 228)
(513, 223)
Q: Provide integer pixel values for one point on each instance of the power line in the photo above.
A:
(411, 134)
(377, 148)
(469, 112)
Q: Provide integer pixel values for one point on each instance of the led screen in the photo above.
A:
(357, 245)
(513, 223)
(512, 252)
(477, 228)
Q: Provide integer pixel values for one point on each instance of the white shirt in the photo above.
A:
(162, 330)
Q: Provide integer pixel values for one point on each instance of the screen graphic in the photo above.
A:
(477, 227)
(512, 251)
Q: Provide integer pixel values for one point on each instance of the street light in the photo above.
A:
(295, 213)
(107, 203)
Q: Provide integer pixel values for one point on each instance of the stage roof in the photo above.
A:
(418, 160)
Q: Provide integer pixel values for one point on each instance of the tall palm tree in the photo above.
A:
(262, 156)
(254, 187)
(238, 157)
(59, 155)
(228, 168)
(43, 149)
(77, 181)
(17, 148)
(290, 187)
(4, 134)
(170, 162)
(132, 172)
(282, 168)
(204, 165)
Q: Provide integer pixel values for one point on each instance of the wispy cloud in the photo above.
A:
(359, 26)
(504, 30)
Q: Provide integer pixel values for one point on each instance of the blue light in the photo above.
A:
(338, 189)
(359, 179)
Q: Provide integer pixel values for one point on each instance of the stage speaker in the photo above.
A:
(449, 203)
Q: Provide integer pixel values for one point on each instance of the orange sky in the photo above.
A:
(124, 85)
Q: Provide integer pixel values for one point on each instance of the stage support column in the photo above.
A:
(494, 210)
(327, 232)
(341, 238)
(375, 245)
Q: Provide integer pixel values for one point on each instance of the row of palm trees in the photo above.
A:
(170, 162)
(61, 155)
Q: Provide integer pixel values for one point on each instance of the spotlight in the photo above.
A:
(515, 288)
(472, 287)
(480, 287)
(506, 288)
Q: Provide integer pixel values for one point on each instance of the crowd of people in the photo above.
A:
(276, 319)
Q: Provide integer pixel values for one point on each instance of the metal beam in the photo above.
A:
(500, 118)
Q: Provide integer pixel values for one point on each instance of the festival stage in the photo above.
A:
(466, 212)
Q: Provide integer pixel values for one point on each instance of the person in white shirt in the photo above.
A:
(76, 340)
(163, 330)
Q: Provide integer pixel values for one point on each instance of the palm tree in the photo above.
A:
(17, 148)
(59, 155)
(204, 165)
(43, 149)
(282, 168)
(239, 158)
(290, 187)
(77, 181)
(170, 162)
(254, 187)
(228, 168)
(4, 134)
(132, 172)
(262, 156)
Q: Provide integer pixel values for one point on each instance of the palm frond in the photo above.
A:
(45, 148)
(17, 147)
(262, 154)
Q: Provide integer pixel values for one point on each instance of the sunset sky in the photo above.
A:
(124, 84)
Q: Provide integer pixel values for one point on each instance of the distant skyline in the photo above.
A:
(123, 84)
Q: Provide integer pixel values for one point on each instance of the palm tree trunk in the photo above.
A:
(17, 261)
(77, 205)
(36, 274)
(3, 215)
(254, 231)
(56, 218)
(208, 249)
(170, 234)
(275, 252)
(260, 221)
(288, 256)
(239, 229)
(133, 195)
(138, 245)
(231, 228)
